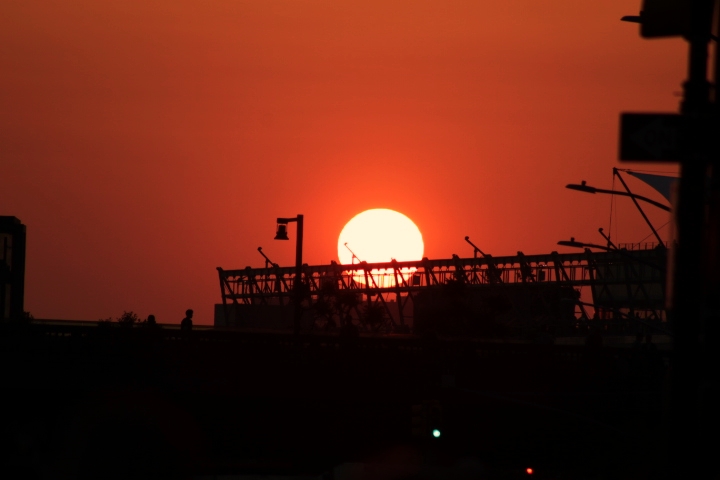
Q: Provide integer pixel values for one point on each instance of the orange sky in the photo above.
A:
(146, 143)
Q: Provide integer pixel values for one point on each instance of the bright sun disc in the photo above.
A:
(380, 235)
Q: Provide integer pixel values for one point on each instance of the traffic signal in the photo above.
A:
(427, 419)
(434, 419)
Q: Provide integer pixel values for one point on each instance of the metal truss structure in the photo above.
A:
(381, 296)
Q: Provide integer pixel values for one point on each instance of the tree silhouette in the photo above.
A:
(128, 319)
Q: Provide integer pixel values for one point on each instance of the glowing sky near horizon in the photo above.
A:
(144, 144)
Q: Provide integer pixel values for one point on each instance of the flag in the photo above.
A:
(661, 183)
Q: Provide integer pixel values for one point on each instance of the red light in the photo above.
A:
(529, 471)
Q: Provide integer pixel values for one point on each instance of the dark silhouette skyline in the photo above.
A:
(149, 144)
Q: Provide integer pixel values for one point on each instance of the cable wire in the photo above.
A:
(612, 204)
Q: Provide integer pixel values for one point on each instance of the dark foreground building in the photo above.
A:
(116, 402)
(12, 268)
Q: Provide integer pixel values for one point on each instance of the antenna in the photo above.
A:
(268, 262)
(354, 257)
(475, 247)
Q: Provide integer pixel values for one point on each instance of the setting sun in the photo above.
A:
(380, 235)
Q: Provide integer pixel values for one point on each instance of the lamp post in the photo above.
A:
(281, 234)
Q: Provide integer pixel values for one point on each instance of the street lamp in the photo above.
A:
(281, 234)
(584, 187)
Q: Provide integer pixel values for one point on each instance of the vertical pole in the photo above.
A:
(297, 284)
(687, 308)
(12, 268)
(5, 284)
(712, 252)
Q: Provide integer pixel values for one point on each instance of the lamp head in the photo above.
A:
(571, 243)
(583, 187)
(281, 233)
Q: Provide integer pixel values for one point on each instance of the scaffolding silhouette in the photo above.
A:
(621, 283)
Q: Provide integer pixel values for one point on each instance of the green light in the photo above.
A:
(436, 433)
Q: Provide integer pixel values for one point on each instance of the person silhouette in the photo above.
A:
(151, 321)
(187, 323)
